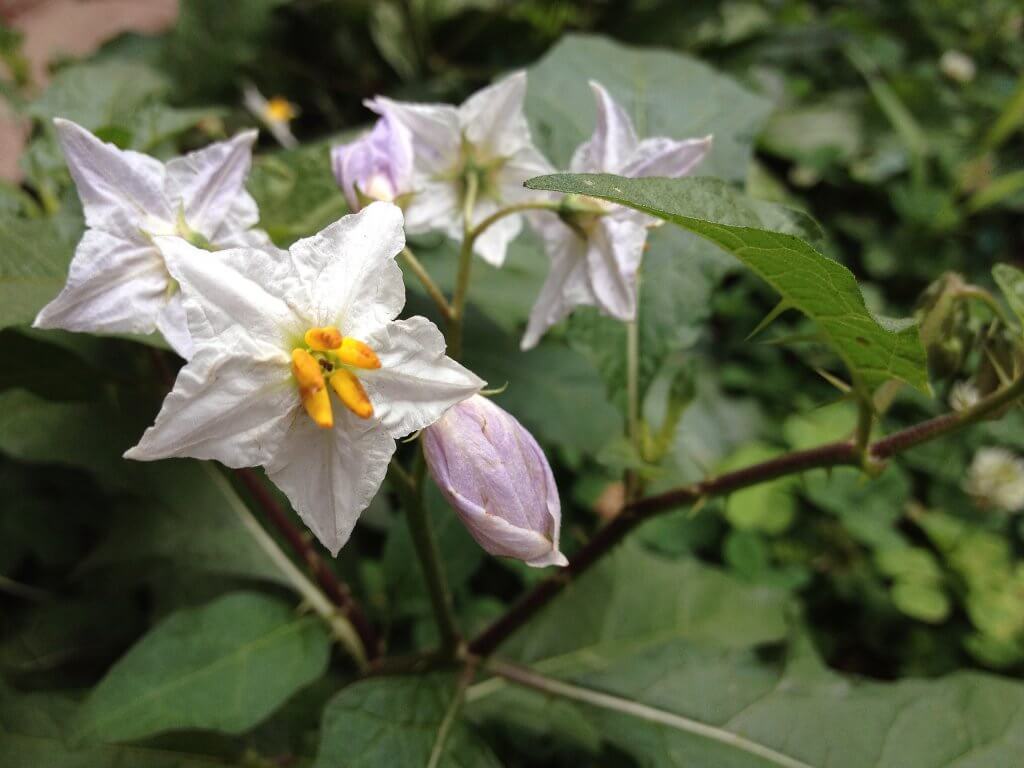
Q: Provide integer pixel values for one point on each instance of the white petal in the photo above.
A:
(493, 117)
(434, 206)
(614, 251)
(614, 139)
(493, 243)
(350, 272)
(416, 382)
(241, 289)
(434, 129)
(331, 475)
(666, 157)
(566, 285)
(524, 164)
(114, 286)
(172, 322)
(207, 183)
(119, 189)
(233, 402)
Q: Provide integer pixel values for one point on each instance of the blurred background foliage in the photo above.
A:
(896, 125)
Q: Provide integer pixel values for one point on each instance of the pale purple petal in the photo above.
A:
(614, 139)
(433, 130)
(378, 164)
(666, 157)
(615, 249)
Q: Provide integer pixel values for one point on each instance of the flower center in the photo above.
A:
(330, 359)
(279, 110)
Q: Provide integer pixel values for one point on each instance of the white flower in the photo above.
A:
(276, 114)
(595, 247)
(300, 366)
(118, 281)
(488, 139)
(996, 479)
(963, 395)
(957, 66)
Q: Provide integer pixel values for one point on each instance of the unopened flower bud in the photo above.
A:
(963, 395)
(376, 166)
(958, 66)
(497, 479)
(996, 479)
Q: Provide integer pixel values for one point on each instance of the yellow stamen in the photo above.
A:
(351, 393)
(323, 339)
(312, 392)
(280, 110)
(357, 354)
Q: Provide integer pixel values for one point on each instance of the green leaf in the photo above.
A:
(926, 602)
(666, 94)
(1011, 282)
(33, 734)
(767, 507)
(874, 350)
(207, 668)
(34, 258)
(397, 722)
(296, 192)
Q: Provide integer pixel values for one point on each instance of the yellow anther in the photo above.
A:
(351, 393)
(357, 354)
(312, 390)
(280, 110)
(323, 339)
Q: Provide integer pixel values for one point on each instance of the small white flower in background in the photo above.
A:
(300, 366)
(376, 166)
(118, 280)
(498, 480)
(276, 114)
(596, 247)
(957, 66)
(487, 139)
(996, 479)
(963, 395)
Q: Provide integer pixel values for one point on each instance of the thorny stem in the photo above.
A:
(865, 421)
(829, 455)
(340, 626)
(528, 678)
(435, 293)
(430, 561)
(337, 591)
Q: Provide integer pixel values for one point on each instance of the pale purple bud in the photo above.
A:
(497, 479)
(376, 166)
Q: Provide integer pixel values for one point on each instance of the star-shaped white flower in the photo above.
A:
(596, 247)
(487, 138)
(118, 281)
(300, 366)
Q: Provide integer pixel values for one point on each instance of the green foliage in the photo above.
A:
(398, 721)
(207, 667)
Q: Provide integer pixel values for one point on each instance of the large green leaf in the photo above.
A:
(397, 722)
(224, 667)
(763, 714)
(34, 734)
(34, 258)
(666, 94)
(875, 350)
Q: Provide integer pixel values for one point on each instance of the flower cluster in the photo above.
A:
(296, 360)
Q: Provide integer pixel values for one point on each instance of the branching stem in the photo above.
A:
(433, 291)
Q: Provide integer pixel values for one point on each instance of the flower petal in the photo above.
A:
(493, 243)
(416, 382)
(207, 183)
(350, 271)
(493, 116)
(242, 289)
(172, 322)
(119, 189)
(434, 206)
(433, 128)
(114, 286)
(233, 402)
(565, 288)
(614, 251)
(666, 157)
(331, 475)
(614, 140)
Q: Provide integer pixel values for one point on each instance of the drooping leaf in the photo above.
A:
(207, 668)
(1011, 282)
(34, 732)
(397, 721)
(874, 350)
